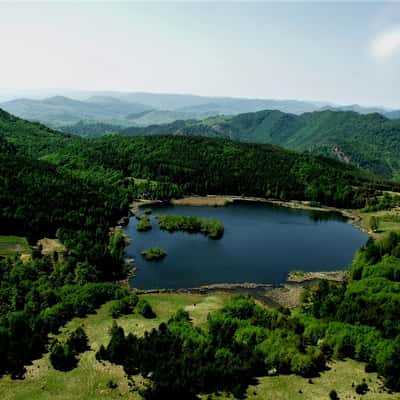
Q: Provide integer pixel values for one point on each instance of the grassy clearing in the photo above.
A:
(89, 380)
(12, 245)
(389, 220)
(341, 377)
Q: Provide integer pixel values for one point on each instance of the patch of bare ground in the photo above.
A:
(288, 296)
(137, 204)
(51, 246)
(203, 201)
(301, 276)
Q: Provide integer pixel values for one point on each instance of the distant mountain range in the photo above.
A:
(59, 110)
(142, 109)
(366, 137)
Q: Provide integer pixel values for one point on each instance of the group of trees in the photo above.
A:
(361, 318)
(130, 303)
(39, 199)
(64, 356)
(242, 341)
(385, 202)
(144, 223)
(210, 227)
(153, 253)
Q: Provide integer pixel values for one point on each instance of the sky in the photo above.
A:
(341, 52)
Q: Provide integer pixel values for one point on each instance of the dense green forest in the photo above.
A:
(214, 166)
(75, 189)
(91, 128)
(369, 141)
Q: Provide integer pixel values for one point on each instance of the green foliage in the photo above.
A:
(78, 341)
(91, 129)
(370, 141)
(385, 202)
(362, 388)
(62, 357)
(333, 395)
(361, 319)
(144, 308)
(75, 189)
(212, 228)
(144, 224)
(124, 306)
(374, 223)
(154, 253)
(242, 341)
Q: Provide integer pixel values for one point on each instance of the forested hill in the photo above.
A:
(369, 141)
(30, 138)
(192, 165)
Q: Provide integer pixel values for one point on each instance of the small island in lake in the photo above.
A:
(144, 223)
(212, 228)
(154, 253)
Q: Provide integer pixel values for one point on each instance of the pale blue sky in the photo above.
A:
(339, 52)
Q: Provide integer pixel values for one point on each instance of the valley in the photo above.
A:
(74, 190)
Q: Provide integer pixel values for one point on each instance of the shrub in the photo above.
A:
(144, 308)
(362, 388)
(62, 357)
(124, 306)
(333, 395)
(78, 341)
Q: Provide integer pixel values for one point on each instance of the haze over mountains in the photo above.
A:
(368, 137)
(141, 109)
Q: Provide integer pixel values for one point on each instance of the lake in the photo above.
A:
(261, 244)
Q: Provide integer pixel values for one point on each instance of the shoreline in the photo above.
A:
(286, 294)
(223, 200)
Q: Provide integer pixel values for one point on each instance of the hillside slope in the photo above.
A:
(369, 141)
(196, 164)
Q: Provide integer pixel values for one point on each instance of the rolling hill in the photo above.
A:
(59, 110)
(369, 141)
(196, 164)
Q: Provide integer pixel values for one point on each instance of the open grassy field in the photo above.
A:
(11, 245)
(389, 220)
(89, 381)
(341, 377)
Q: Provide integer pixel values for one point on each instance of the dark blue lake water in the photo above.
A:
(261, 244)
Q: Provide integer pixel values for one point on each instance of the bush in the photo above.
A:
(144, 308)
(362, 388)
(78, 341)
(124, 306)
(62, 357)
(111, 384)
(101, 354)
(333, 395)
